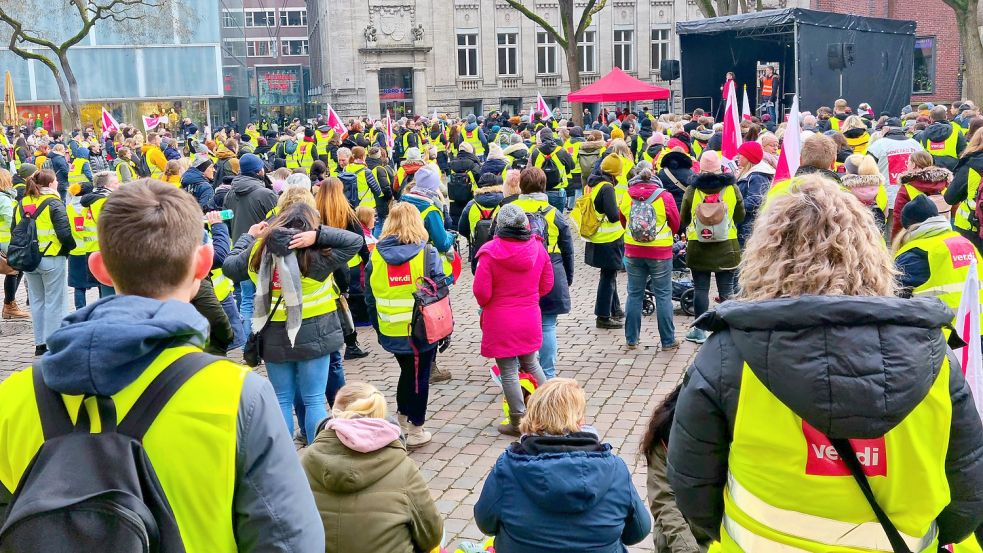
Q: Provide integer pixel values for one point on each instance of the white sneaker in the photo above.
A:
(417, 436)
(404, 423)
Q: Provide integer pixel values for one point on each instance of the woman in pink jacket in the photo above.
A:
(513, 272)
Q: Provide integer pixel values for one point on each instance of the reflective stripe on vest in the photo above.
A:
(950, 257)
(801, 496)
(192, 444)
(393, 287)
(552, 231)
(322, 140)
(92, 223)
(608, 231)
(75, 175)
(48, 241)
(946, 148)
(76, 220)
(728, 196)
(573, 148)
(365, 195)
(473, 139)
(664, 237)
(767, 87)
(967, 206)
(541, 160)
(446, 263)
(319, 298)
(223, 285)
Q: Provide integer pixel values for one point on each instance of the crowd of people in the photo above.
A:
(826, 356)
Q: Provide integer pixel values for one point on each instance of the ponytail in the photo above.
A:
(38, 181)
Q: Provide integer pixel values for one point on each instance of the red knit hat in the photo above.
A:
(752, 152)
(677, 143)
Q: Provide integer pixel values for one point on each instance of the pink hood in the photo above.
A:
(520, 255)
(364, 435)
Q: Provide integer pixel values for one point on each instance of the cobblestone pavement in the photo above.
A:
(622, 389)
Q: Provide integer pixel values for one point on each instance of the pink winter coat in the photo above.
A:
(512, 275)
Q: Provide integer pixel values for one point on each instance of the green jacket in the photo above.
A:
(670, 531)
(370, 502)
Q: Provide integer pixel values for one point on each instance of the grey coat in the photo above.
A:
(320, 335)
(799, 348)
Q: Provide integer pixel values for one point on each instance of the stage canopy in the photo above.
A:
(618, 86)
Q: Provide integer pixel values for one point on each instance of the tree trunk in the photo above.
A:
(573, 70)
(969, 36)
(72, 102)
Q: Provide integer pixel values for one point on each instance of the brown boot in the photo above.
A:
(439, 375)
(511, 428)
(12, 311)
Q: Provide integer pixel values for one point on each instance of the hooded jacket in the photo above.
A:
(195, 182)
(711, 256)
(517, 152)
(754, 188)
(561, 156)
(930, 180)
(105, 346)
(913, 264)
(61, 168)
(681, 167)
(395, 253)
(493, 166)
(894, 347)
(511, 321)
(939, 131)
(250, 200)
(370, 494)
(556, 494)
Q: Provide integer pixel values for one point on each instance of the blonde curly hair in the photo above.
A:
(815, 240)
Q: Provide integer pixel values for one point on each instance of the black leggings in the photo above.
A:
(10, 284)
(413, 388)
(607, 302)
(701, 284)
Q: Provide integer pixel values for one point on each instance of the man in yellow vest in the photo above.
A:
(220, 450)
(556, 163)
(156, 160)
(605, 248)
(322, 138)
(473, 135)
(352, 168)
(105, 182)
(80, 172)
(942, 139)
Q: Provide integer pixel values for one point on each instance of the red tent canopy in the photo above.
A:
(618, 86)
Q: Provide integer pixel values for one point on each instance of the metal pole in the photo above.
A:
(795, 47)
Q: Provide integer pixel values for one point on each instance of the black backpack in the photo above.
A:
(551, 166)
(142, 168)
(539, 226)
(483, 230)
(24, 252)
(349, 182)
(68, 500)
(459, 187)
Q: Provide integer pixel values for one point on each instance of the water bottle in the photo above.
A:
(226, 215)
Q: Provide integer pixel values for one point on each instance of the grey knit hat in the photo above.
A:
(511, 216)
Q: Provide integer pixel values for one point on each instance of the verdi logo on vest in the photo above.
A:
(961, 250)
(399, 275)
(79, 223)
(897, 164)
(823, 460)
(936, 146)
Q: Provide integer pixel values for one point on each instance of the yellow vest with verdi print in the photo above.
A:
(393, 287)
(549, 213)
(319, 298)
(75, 174)
(48, 242)
(92, 223)
(950, 257)
(192, 444)
(946, 148)
(788, 490)
(76, 220)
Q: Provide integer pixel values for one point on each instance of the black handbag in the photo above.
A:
(252, 351)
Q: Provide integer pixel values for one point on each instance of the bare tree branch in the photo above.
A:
(521, 8)
(706, 8)
(588, 15)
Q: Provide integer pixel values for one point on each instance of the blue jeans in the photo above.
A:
(239, 335)
(247, 291)
(308, 378)
(639, 271)
(336, 379)
(46, 288)
(377, 230)
(573, 196)
(547, 353)
(557, 199)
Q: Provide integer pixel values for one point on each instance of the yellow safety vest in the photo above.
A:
(967, 206)
(92, 223)
(303, 155)
(322, 140)
(446, 263)
(223, 285)
(393, 287)
(440, 142)
(859, 144)
(697, 148)
(949, 258)
(319, 298)
(119, 170)
(728, 196)
(946, 148)
(365, 195)
(834, 123)
(75, 175)
(76, 220)
(476, 212)
(664, 236)
(473, 139)
(573, 148)
(192, 444)
(48, 241)
(608, 231)
(541, 160)
(914, 192)
(549, 213)
(155, 172)
(800, 496)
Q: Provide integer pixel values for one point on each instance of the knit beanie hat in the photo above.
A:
(201, 162)
(918, 210)
(427, 179)
(617, 133)
(489, 179)
(511, 216)
(250, 164)
(26, 170)
(752, 152)
(612, 165)
(413, 154)
(657, 139)
(646, 123)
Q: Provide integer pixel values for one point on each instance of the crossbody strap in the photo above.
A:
(674, 179)
(849, 456)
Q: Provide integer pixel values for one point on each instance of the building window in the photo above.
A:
(260, 48)
(234, 48)
(232, 20)
(587, 50)
(293, 18)
(467, 55)
(660, 47)
(924, 74)
(294, 47)
(545, 53)
(623, 49)
(261, 18)
(508, 54)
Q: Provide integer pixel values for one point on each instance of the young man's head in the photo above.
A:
(939, 113)
(769, 71)
(840, 106)
(106, 179)
(153, 139)
(818, 151)
(150, 236)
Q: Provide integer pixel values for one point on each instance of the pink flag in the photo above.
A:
(390, 139)
(968, 327)
(732, 127)
(746, 106)
(108, 123)
(335, 122)
(541, 107)
(151, 122)
(788, 162)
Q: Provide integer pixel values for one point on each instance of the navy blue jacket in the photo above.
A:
(195, 182)
(556, 494)
(60, 165)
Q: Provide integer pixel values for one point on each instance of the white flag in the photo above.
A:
(968, 328)
(788, 161)
(746, 107)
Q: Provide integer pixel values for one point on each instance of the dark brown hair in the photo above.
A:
(531, 180)
(300, 217)
(660, 423)
(37, 181)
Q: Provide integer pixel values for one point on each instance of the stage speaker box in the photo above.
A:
(840, 55)
(669, 70)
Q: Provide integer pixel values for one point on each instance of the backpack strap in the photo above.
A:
(54, 415)
(674, 179)
(160, 391)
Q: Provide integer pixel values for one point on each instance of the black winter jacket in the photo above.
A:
(612, 254)
(681, 166)
(852, 367)
(939, 132)
(251, 200)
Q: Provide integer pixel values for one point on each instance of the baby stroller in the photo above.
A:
(682, 284)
